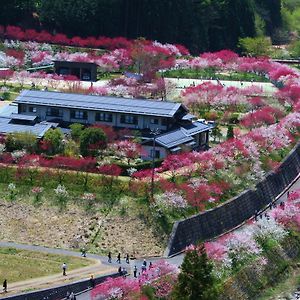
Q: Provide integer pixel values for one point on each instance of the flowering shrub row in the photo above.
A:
(86, 164)
(17, 33)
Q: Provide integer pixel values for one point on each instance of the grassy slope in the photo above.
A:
(17, 265)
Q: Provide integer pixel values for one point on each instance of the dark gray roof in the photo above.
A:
(99, 103)
(38, 129)
(188, 117)
(182, 135)
(195, 127)
(173, 138)
(15, 116)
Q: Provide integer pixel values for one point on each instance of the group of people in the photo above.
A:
(143, 269)
(270, 206)
(122, 270)
(118, 258)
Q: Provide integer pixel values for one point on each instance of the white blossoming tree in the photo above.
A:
(12, 190)
(62, 196)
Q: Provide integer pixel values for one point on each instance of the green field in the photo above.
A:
(18, 265)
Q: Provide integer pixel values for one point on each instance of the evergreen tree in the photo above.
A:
(196, 280)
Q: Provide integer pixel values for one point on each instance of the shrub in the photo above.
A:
(21, 141)
(92, 139)
(54, 138)
(76, 131)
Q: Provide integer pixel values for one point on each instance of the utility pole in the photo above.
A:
(153, 132)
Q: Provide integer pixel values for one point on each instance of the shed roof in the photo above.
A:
(38, 129)
(100, 103)
(173, 138)
(182, 135)
(15, 116)
(195, 127)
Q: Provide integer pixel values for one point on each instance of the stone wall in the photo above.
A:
(235, 211)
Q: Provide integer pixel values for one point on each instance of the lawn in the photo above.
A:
(18, 265)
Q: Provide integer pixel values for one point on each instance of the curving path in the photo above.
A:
(100, 266)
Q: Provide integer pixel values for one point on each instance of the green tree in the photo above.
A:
(216, 133)
(291, 5)
(196, 280)
(76, 130)
(270, 12)
(230, 133)
(295, 49)
(21, 140)
(92, 140)
(16, 11)
(258, 46)
(54, 137)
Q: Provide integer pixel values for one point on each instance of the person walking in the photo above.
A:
(64, 268)
(5, 286)
(135, 272)
(124, 272)
(72, 296)
(92, 281)
(144, 263)
(127, 258)
(83, 252)
(119, 258)
(144, 266)
(109, 257)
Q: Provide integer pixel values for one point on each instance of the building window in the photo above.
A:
(164, 122)
(22, 108)
(79, 114)
(103, 117)
(32, 109)
(129, 119)
(156, 153)
(154, 121)
(54, 112)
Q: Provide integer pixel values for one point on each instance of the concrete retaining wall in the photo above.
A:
(59, 292)
(235, 211)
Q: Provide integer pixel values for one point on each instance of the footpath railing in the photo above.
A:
(235, 211)
(60, 292)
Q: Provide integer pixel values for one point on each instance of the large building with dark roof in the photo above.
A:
(177, 129)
